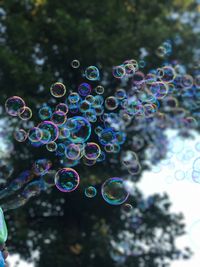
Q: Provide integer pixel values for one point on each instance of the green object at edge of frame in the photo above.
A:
(3, 228)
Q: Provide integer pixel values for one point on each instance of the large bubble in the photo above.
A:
(80, 129)
(114, 192)
(67, 180)
(13, 105)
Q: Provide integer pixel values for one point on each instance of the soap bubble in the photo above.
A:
(90, 192)
(62, 107)
(119, 72)
(52, 146)
(45, 113)
(13, 105)
(64, 133)
(72, 151)
(67, 180)
(58, 90)
(113, 191)
(25, 113)
(73, 98)
(99, 90)
(84, 89)
(48, 126)
(80, 129)
(75, 64)
(35, 134)
(58, 118)
(41, 166)
(20, 135)
(92, 151)
(106, 136)
(84, 106)
(92, 73)
(111, 103)
(120, 94)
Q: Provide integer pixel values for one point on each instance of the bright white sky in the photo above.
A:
(184, 195)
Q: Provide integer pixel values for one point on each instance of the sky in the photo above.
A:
(173, 175)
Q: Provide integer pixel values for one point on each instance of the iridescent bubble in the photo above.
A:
(62, 107)
(120, 137)
(138, 78)
(51, 128)
(90, 192)
(59, 117)
(129, 68)
(84, 89)
(67, 180)
(90, 98)
(73, 151)
(109, 148)
(25, 113)
(58, 90)
(20, 135)
(84, 106)
(52, 146)
(161, 51)
(167, 74)
(159, 89)
(75, 64)
(13, 105)
(64, 133)
(120, 94)
(92, 73)
(35, 134)
(46, 137)
(98, 101)
(106, 136)
(111, 103)
(74, 108)
(73, 98)
(45, 113)
(119, 72)
(92, 151)
(80, 129)
(99, 90)
(113, 191)
(41, 166)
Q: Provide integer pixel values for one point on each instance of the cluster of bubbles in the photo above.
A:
(84, 127)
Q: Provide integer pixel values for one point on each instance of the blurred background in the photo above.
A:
(38, 41)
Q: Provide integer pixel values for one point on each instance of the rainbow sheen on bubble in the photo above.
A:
(67, 180)
(114, 192)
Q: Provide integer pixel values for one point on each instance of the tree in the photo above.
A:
(39, 39)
